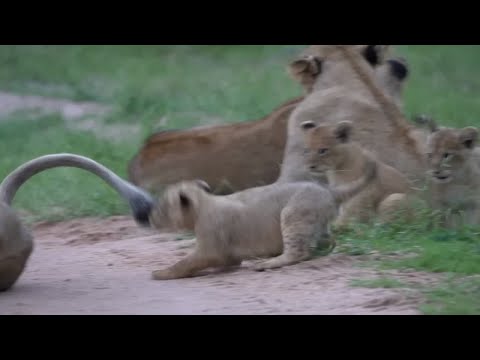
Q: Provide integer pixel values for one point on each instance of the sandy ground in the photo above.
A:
(103, 266)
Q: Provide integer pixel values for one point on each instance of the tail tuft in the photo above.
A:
(141, 209)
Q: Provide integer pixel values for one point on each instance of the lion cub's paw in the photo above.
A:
(260, 266)
(163, 275)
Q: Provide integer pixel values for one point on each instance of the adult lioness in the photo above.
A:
(243, 155)
(16, 242)
(454, 175)
(347, 90)
(329, 150)
(282, 222)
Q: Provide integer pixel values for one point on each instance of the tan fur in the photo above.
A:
(309, 66)
(348, 91)
(454, 173)
(16, 246)
(329, 150)
(229, 157)
(427, 125)
(281, 222)
(237, 156)
(16, 241)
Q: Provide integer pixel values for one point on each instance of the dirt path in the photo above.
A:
(102, 266)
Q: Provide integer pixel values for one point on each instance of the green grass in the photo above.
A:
(384, 282)
(62, 192)
(421, 246)
(455, 297)
(188, 85)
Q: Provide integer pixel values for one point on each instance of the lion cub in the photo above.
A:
(331, 151)
(282, 221)
(454, 173)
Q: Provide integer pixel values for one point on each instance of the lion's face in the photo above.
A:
(176, 209)
(449, 151)
(311, 63)
(325, 145)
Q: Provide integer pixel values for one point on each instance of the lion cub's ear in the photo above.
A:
(305, 69)
(343, 131)
(468, 137)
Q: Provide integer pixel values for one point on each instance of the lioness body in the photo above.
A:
(330, 150)
(228, 157)
(283, 222)
(238, 156)
(346, 92)
(454, 173)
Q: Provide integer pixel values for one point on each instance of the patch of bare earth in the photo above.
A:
(103, 266)
(80, 116)
(87, 116)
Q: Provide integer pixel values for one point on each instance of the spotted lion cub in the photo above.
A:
(331, 151)
(282, 222)
(454, 173)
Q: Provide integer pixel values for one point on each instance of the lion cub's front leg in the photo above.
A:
(188, 266)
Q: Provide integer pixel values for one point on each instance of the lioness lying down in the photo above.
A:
(235, 157)
(331, 151)
(281, 221)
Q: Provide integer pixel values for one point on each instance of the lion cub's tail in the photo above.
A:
(345, 192)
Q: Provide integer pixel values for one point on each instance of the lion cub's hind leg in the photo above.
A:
(302, 228)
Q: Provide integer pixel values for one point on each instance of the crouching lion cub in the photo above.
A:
(454, 174)
(282, 222)
(331, 151)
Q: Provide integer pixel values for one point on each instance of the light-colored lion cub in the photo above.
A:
(331, 151)
(282, 222)
(454, 173)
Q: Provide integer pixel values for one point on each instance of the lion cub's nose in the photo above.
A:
(312, 167)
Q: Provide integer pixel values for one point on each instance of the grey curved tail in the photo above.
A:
(345, 192)
(139, 201)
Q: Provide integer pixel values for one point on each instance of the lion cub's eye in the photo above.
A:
(447, 155)
(323, 151)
